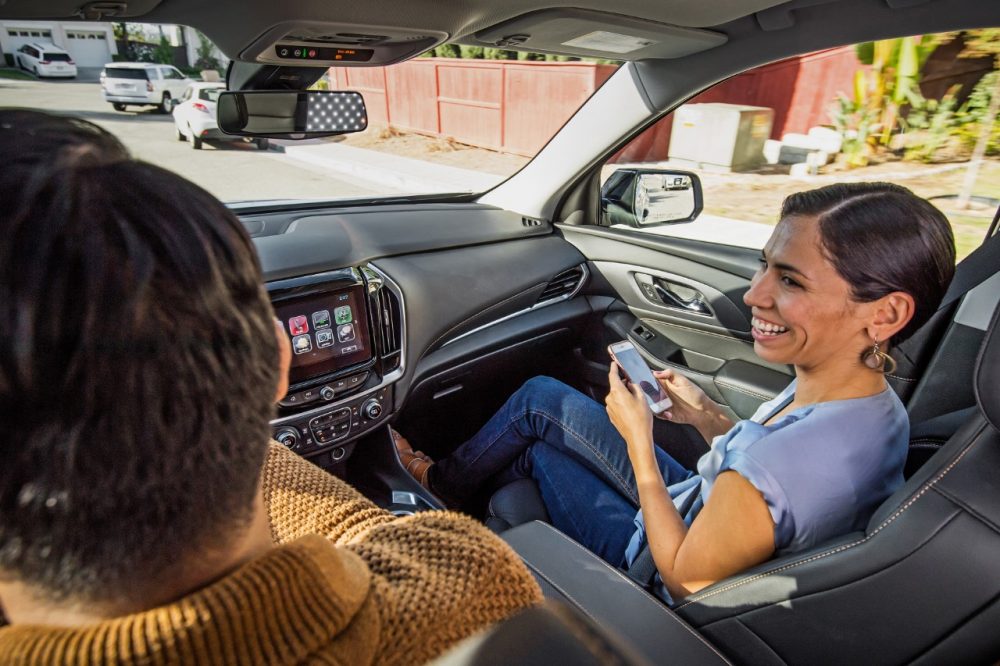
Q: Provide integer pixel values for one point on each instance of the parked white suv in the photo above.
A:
(45, 60)
(142, 83)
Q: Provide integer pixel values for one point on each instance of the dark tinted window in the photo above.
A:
(210, 94)
(57, 57)
(125, 73)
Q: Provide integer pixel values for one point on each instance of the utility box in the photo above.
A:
(720, 137)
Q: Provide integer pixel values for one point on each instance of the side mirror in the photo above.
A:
(291, 114)
(650, 197)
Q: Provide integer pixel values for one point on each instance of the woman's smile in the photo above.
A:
(761, 329)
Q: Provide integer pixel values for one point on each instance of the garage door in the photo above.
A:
(88, 48)
(18, 37)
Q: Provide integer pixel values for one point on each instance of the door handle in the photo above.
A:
(692, 303)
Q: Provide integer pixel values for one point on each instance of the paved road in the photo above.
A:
(233, 171)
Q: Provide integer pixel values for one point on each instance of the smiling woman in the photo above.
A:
(831, 293)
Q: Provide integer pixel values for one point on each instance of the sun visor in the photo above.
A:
(580, 32)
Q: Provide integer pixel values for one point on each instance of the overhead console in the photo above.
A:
(346, 332)
(297, 43)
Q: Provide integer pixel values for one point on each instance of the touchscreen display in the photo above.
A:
(328, 332)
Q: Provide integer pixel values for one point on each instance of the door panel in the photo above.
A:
(681, 304)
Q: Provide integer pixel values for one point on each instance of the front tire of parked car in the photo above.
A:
(262, 144)
(196, 142)
(167, 105)
(118, 107)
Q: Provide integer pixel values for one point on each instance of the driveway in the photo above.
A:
(233, 171)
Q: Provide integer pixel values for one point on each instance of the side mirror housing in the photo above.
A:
(650, 197)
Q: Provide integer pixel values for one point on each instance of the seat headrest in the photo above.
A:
(987, 382)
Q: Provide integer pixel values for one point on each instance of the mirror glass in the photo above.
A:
(646, 197)
(663, 197)
(291, 114)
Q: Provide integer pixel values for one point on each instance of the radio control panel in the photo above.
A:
(329, 426)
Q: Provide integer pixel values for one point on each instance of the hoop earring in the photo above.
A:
(876, 359)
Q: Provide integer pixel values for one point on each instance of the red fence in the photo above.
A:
(801, 91)
(510, 106)
(516, 107)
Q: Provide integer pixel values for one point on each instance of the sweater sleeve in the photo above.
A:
(302, 499)
(439, 577)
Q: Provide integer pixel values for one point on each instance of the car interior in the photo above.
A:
(428, 311)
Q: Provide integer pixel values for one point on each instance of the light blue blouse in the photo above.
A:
(822, 469)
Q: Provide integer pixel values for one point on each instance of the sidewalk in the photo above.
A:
(388, 171)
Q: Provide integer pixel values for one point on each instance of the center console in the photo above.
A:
(345, 328)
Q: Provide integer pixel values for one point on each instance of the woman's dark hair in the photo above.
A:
(138, 364)
(883, 238)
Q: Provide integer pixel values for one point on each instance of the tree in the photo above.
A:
(206, 53)
(980, 43)
(164, 53)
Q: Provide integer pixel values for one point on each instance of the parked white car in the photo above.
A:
(142, 84)
(45, 60)
(194, 117)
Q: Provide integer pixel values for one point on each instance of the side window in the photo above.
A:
(912, 111)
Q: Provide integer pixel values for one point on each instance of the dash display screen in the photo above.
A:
(327, 332)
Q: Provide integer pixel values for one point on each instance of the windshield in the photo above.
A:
(456, 120)
(56, 57)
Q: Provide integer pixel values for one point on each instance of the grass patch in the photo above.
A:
(15, 75)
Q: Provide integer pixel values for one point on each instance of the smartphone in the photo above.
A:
(637, 372)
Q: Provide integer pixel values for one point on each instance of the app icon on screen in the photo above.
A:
(324, 338)
(321, 319)
(343, 315)
(298, 325)
(345, 332)
(302, 344)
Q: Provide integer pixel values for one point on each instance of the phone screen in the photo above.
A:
(639, 373)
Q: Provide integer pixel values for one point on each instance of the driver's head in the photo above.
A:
(137, 365)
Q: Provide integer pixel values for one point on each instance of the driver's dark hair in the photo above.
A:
(882, 238)
(138, 364)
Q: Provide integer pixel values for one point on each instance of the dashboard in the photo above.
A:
(381, 303)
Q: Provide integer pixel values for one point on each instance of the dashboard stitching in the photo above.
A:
(481, 312)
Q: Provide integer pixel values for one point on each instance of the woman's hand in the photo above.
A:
(691, 405)
(630, 414)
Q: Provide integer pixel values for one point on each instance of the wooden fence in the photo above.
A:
(510, 106)
(516, 106)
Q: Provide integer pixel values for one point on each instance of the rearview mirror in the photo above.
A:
(649, 197)
(291, 114)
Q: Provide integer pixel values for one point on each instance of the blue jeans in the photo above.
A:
(563, 440)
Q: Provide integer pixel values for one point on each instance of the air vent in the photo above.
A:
(388, 319)
(530, 222)
(563, 284)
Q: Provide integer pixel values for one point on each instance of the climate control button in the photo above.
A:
(372, 409)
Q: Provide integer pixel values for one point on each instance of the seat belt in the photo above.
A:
(643, 568)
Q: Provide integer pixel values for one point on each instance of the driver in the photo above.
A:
(144, 514)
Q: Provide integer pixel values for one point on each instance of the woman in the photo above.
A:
(849, 270)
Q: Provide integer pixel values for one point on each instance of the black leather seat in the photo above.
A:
(920, 584)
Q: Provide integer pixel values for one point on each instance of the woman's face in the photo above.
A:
(802, 310)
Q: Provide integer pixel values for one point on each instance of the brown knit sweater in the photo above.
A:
(349, 584)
